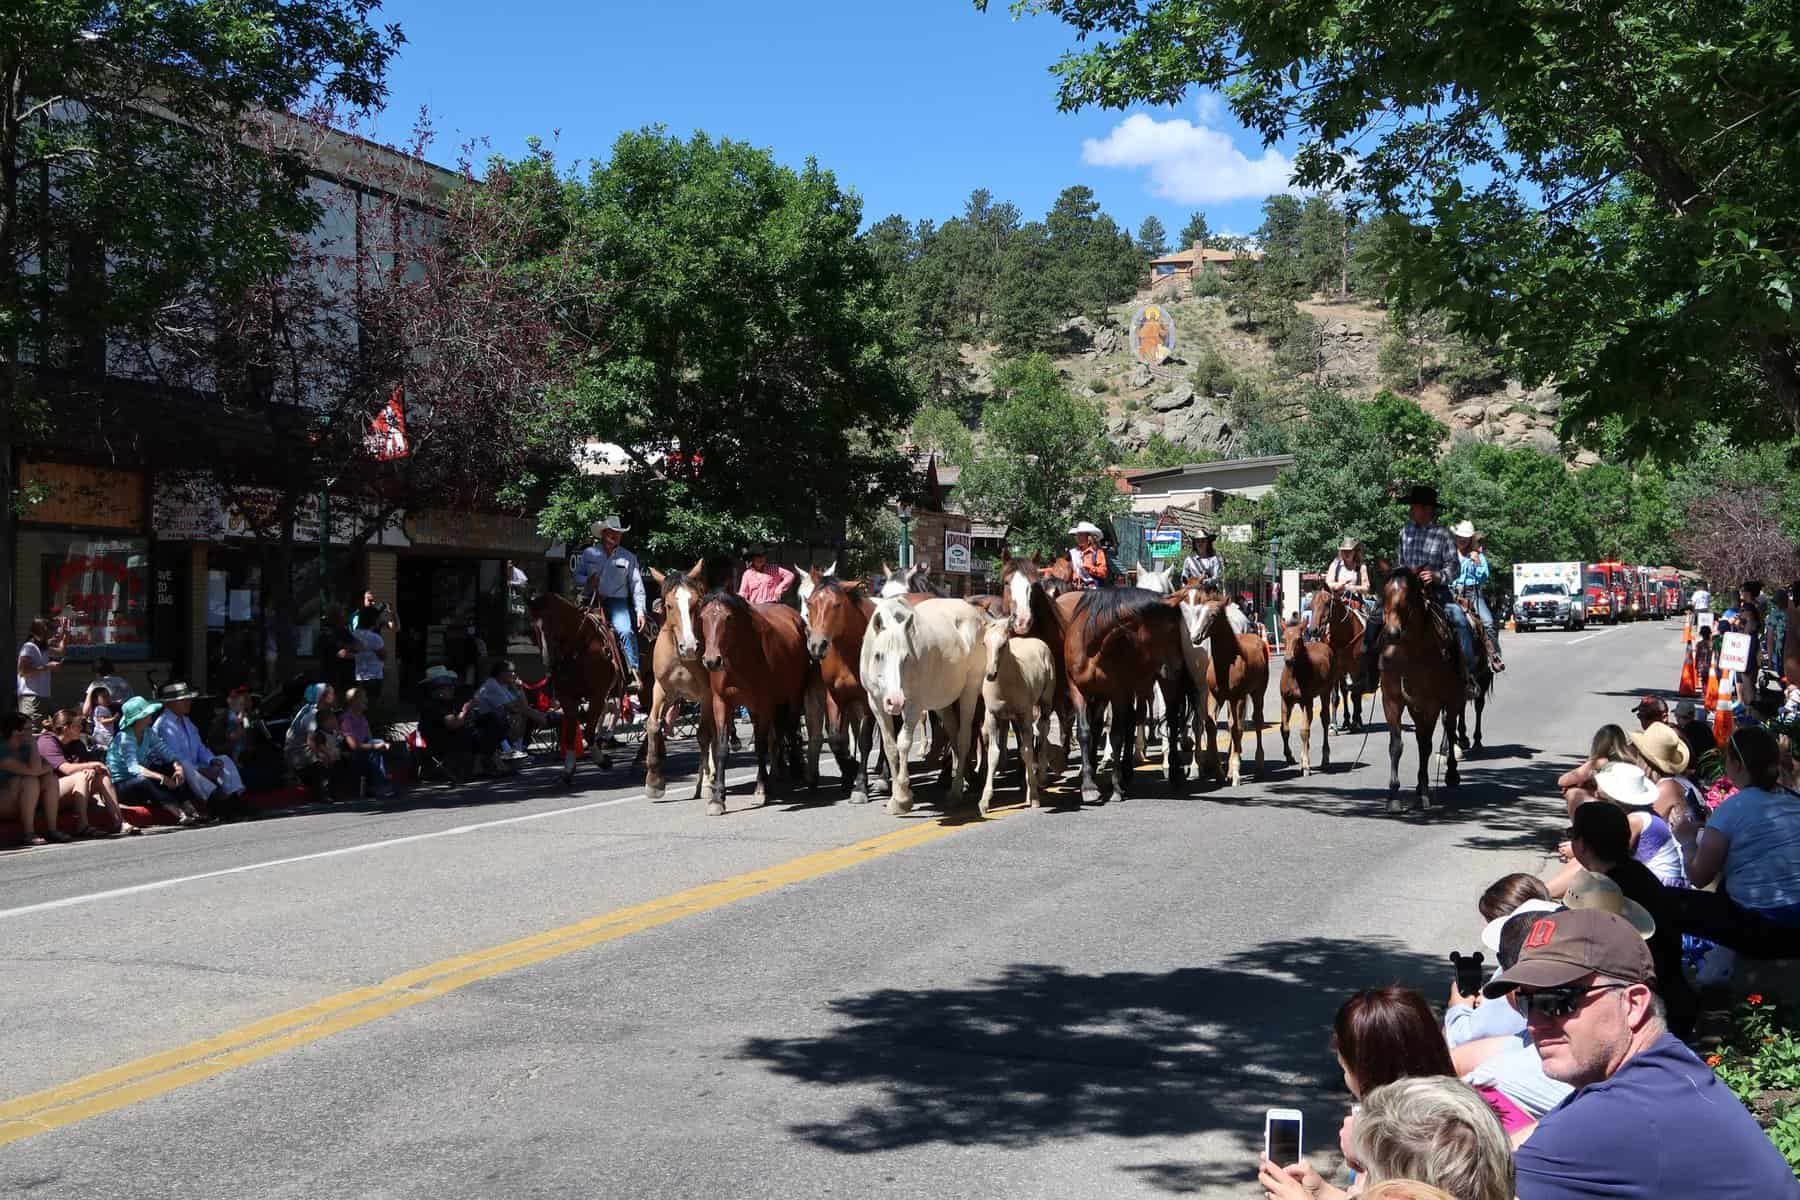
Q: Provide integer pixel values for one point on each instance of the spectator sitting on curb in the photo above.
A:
(1648, 1120)
(212, 778)
(368, 753)
(1609, 746)
(500, 705)
(1504, 896)
(300, 729)
(134, 761)
(451, 732)
(80, 779)
(1437, 1131)
(29, 782)
(1508, 1063)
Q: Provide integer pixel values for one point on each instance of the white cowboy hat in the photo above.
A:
(1086, 527)
(1349, 543)
(1589, 890)
(609, 523)
(1463, 530)
(1626, 783)
(1490, 935)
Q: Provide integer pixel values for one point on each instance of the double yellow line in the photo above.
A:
(124, 1085)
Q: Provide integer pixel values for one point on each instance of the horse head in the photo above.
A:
(1161, 583)
(810, 578)
(886, 647)
(1018, 581)
(1402, 600)
(994, 633)
(681, 595)
(828, 612)
(724, 618)
(1293, 634)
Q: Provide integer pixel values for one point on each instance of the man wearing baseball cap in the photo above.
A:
(1648, 1119)
(1650, 711)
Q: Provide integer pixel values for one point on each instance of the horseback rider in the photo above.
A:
(607, 576)
(1204, 564)
(1348, 574)
(1088, 558)
(1428, 549)
(1471, 575)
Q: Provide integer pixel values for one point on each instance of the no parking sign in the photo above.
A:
(1734, 652)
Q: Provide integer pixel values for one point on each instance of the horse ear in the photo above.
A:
(854, 585)
(698, 571)
(831, 571)
(658, 576)
(811, 573)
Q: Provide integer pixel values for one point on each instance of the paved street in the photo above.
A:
(1097, 1002)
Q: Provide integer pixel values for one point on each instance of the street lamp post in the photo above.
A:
(905, 536)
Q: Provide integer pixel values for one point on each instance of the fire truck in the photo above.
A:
(1608, 595)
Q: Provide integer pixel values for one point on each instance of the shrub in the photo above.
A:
(1759, 1060)
(1208, 284)
(1096, 385)
(1213, 376)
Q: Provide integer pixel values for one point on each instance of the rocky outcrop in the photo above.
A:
(1180, 397)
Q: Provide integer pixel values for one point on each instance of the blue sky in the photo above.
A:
(912, 103)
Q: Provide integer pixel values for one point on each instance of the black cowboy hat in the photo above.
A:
(1421, 493)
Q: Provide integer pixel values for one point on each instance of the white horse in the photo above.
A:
(909, 581)
(1016, 689)
(917, 659)
(1197, 653)
(1160, 582)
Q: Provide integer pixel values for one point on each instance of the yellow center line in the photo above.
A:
(158, 1074)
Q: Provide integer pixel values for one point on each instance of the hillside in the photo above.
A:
(1195, 410)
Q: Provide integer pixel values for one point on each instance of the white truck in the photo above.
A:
(1548, 595)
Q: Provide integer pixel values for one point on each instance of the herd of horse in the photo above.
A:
(865, 666)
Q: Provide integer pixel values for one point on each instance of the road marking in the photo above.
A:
(361, 847)
(1587, 637)
(159, 1074)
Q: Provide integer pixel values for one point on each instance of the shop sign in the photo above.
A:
(959, 552)
(1162, 543)
(188, 507)
(99, 590)
(1237, 534)
(100, 497)
(475, 531)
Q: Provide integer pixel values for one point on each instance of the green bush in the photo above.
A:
(1208, 284)
(1759, 1060)
(1213, 376)
(1096, 386)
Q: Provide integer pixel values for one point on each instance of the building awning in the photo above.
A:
(982, 531)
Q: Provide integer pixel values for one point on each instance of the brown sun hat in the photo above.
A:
(1661, 747)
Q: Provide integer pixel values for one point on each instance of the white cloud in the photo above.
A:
(1189, 163)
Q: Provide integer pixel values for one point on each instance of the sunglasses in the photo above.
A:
(1555, 1004)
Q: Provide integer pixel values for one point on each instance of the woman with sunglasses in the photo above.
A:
(1752, 846)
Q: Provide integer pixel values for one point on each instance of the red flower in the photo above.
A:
(1713, 1060)
(1754, 997)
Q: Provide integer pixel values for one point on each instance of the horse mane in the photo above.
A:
(675, 579)
(1103, 606)
(731, 600)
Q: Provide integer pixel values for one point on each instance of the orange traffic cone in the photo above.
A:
(1687, 633)
(1724, 724)
(1690, 677)
(1711, 699)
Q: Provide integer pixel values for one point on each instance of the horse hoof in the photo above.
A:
(1424, 801)
(896, 808)
(1395, 808)
(1090, 795)
(859, 797)
(715, 808)
(653, 791)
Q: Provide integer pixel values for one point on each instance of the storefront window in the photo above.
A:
(101, 588)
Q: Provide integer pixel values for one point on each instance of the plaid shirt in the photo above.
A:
(1429, 548)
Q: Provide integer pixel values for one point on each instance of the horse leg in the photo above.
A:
(1287, 717)
(1084, 742)
(1480, 704)
(1451, 777)
(656, 746)
(1304, 711)
(1325, 730)
(899, 758)
(763, 730)
(705, 736)
(991, 728)
(815, 732)
(1256, 712)
(1036, 772)
(1426, 725)
(964, 739)
(1390, 708)
(721, 724)
(1174, 717)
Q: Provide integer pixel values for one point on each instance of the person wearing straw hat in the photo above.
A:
(1679, 801)
(1472, 575)
(1204, 564)
(1088, 558)
(1348, 574)
(608, 576)
(212, 778)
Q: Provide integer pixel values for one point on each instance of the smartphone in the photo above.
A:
(1281, 1136)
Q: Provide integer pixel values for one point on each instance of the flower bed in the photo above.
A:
(1759, 1060)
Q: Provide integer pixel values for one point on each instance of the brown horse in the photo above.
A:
(676, 675)
(1119, 643)
(1419, 676)
(1308, 673)
(585, 665)
(1340, 625)
(755, 656)
(837, 616)
(1237, 672)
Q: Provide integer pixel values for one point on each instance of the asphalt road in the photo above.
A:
(1099, 1002)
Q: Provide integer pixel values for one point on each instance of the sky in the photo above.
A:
(912, 103)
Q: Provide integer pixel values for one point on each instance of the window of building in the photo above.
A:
(101, 588)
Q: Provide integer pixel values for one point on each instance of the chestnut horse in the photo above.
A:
(585, 665)
(1418, 676)
(1308, 673)
(754, 655)
(1118, 644)
(837, 617)
(1237, 673)
(676, 675)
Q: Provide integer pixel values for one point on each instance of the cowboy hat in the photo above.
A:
(1349, 543)
(1661, 747)
(1463, 529)
(1590, 890)
(1086, 527)
(136, 709)
(440, 676)
(1490, 934)
(168, 693)
(1204, 535)
(1421, 494)
(609, 523)
(1625, 783)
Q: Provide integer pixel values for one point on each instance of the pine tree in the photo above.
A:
(1153, 239)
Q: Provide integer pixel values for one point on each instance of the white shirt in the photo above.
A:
(117, 690)
(368, 653)
(36, 680)
(1702, 600)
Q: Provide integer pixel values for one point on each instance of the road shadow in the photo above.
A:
(1040, 1053)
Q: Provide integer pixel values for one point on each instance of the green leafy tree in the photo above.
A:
(1043, 462)
(1159, 451)
(1030, 305)
(751, 335)
(939, 430)
(1638, 203)
(1412, 434)
(1153, 239)
(1525, 503)
(1244, 561)
(1346, 473)
(1195, 232)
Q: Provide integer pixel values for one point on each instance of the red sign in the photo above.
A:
(387, 432)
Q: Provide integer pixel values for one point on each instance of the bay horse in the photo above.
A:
(1418, 676)
(1237, 675)
(837, 616)
(586, 666)
(1341, 625)
(1308, 673)
(676, 675)
(755, 656)
(1118, 644)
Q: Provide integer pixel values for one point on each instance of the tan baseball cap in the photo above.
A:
(1568, 946)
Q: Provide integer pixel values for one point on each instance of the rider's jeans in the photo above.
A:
(618, 611)
(1487, 619)
(1459, 621)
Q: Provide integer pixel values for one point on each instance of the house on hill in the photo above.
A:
(1185, 264)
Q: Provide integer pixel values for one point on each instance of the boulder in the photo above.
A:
(1141, 376)
(1499, 410)
(1201, 427)
(1470, 416)
(1143, 431)
(1117, 424)
(1518, 424)
(1587, 458)
(1546, 400)
(1544, 440)
(1180, 397)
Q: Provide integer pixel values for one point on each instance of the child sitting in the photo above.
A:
(325, 765)
(97, 711)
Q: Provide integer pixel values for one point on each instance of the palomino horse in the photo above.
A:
(1237, 672)
(920, 658)
(676, 675)
(585, 665)
(1017, 690)
(754, 655)
(837, 619)
(1308, 673)
(1118, 644)
(1419, 676)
